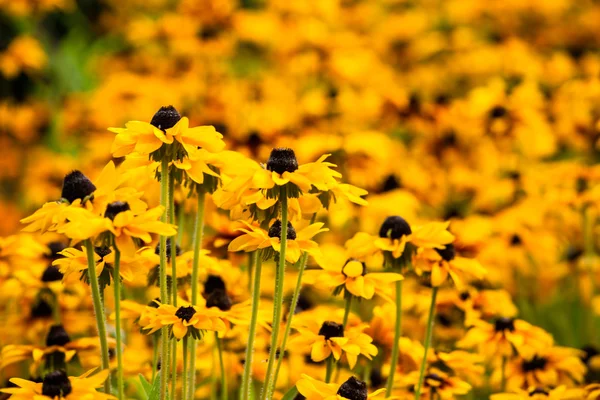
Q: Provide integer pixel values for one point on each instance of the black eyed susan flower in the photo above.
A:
(394, 236)
(331, 340)
(58, 385)
(59, 349)
(548, 367)
(351, 389)
(543, 393)
(182, 320)
(504, 336)
(348, 274)
(300, 241)
(443, 263)
(436, 383)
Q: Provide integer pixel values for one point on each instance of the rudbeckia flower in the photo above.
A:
(330, 339)
(120, 221)
(437, 383)
(444, 262)
(166, 127)
(59, 350)
(542, 393)
(181, 320)
(394, 235)
(219, 302)
(57, 384)
(256, 238)
(352, 389)
(340, 272)
(505, 335)
(550, 366)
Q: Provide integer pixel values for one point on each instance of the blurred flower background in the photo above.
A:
(483, 115)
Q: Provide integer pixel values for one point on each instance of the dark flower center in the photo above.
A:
(115, 208)
(213, 282)
(590, 351)
(55, 248)
(331, 329)
(275, 230)
(303, 304)
(57, 336)
(76, 186)
(299, 397)
(177, 249)
(515, 240)
(41, 310)
(353, 389)
(185, 313)
(465, 296)
(52, 274)
(154, 303)
(498, 112)
(376, 378)
(538, 390)
(56, 384)
(282, 160)
(535, 363)
(219, 298)
(394, 227)
(102, 251)
(448, 253)
(581, 185)
(504, 324)
(165, 118)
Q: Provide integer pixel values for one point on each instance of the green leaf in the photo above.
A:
(147, 386)
(290, 394)
(155, 392)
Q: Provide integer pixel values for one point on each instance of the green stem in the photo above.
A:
(164, 295)
(427, 342)
(251, 264)
(224, 391)
(278, 297)
(173, 359)
(185, 367)
(396, 345)
(173, 259)
(288, 325)
(117, 289)
(247, 376)
(329, 370)
(347, 309)
(198, 232)
(98, 309)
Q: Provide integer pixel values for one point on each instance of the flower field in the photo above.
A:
(287, 200)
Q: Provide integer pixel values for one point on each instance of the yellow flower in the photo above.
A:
(542, 393)
(549, 366)
(395, 234)
(256, 238)
(23, 54)
(506, 334)
(57, 384)
(444, 262)
(339, 271)
(181, 320)
(438, 383)
(330, 339)
(166, 127)
(353, 388)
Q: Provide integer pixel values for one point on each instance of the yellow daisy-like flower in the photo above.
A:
(542, 393)
(395, 234)
(436, 383)
(181, 320)
(505, 335)
(256, 238)
(165, 128)
(330, 339)
(444, 262)
(351, 275)
(120, 221)
(57, 385)
(23, 54)
(353, 388)
(57, 341)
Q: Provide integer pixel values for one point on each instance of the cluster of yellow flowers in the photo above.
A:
(299, 200)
